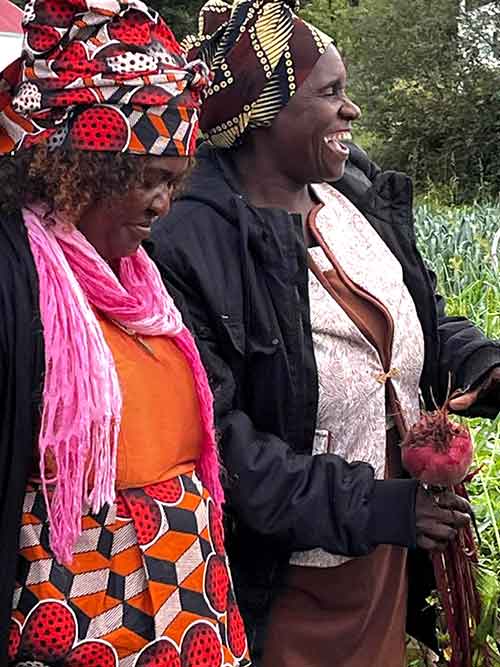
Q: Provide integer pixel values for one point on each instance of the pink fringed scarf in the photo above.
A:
(82, 399)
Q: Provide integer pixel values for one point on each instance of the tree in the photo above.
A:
(430, 99)
(182, 18)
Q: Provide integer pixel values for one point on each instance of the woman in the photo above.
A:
(112, 548)
(319, 326)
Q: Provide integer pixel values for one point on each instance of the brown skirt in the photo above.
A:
(348, 616)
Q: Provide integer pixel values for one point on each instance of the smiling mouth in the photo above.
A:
(141, 231)
(335, 142)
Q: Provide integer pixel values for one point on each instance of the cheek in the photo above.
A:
(165, 203)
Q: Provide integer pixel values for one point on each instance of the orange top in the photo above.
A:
(161, 430)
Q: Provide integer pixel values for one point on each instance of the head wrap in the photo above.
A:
(260, 53)
(100, 75)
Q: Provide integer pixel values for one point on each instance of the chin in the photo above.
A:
(337, 174)
(332, 172)
(124, 252)
(131, 250)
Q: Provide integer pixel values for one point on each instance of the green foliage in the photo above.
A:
(431, 102)
(181, 17)
(458, 243)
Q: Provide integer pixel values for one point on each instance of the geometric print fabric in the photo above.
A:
(149, 585)
(86, 66)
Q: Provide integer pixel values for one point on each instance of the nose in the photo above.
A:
(349, 110)
(162, 199)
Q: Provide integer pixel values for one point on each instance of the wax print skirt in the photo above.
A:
(149, 585)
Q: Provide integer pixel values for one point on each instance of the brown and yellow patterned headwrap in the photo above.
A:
(260, 52)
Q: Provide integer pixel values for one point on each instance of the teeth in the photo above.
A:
(344, 136)
(339, 136)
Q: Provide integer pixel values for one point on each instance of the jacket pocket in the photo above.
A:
(232, 330)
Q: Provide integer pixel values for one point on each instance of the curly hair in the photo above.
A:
(67, 180)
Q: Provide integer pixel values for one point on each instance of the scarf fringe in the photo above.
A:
(82, 398)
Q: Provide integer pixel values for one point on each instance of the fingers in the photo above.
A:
(464, 401)
(467, 399)
(453, 502)
(427, 543)
(440, 532)
(438, 524)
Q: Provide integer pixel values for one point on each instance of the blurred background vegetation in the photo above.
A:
(429, 94)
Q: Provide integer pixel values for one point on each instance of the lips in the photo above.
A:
(335, 143)
(141, 230)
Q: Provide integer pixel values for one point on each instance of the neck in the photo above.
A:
(265, 183)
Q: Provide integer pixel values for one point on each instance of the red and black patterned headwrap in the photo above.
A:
(100, 75)
(260, 53)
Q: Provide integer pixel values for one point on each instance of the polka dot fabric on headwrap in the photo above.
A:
(100, 75)
(260, 52)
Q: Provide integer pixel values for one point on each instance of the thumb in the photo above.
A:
(464, 401)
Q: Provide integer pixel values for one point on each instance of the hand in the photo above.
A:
(439, 520)
(465, 401)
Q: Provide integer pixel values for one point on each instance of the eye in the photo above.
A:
(335, 91)
(154, 178)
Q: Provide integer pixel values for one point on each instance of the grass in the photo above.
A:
(457, 244)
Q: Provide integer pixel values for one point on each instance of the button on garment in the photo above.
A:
(350, 357)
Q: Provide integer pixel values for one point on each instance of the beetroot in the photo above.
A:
(437, 451)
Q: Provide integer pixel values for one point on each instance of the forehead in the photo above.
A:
(174, 165)
(328, 69)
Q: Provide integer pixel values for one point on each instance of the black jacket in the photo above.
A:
(242, 273)
(21, 374)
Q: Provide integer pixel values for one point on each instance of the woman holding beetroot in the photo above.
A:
(321, 330)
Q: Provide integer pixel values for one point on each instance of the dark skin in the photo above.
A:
(118, 225)
(275, 167)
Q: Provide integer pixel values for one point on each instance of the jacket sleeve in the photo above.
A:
(21, 373)
(301, 501)
(466, 355)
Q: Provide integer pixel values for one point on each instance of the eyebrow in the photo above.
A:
(159, 169)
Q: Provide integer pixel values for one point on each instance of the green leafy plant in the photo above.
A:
(457, 244)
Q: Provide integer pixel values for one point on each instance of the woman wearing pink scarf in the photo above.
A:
(110, 516)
